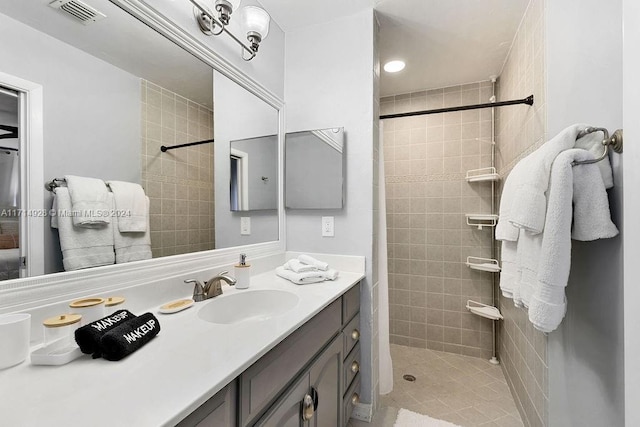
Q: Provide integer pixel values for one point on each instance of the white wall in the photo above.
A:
(631, 174)
(585, 355)
(238, 114)
(91, 112)
(337, 92)
(267, 68)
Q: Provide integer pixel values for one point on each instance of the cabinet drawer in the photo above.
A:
(350, 303)
(351, 335)
(351, 398)
(219, 411)
(261, 383)
(351, 366)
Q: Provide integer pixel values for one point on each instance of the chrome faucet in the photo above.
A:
(212, 288)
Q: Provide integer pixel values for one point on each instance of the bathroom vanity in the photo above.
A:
(264, 370)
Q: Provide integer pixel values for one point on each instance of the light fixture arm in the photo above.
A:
(216, 22)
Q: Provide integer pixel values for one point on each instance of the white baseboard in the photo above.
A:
(363, 412)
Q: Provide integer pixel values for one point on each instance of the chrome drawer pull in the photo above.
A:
(355, 399)
(355, 335)
(355, 367)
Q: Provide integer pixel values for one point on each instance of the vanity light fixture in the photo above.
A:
(394, 66)
(255, 20)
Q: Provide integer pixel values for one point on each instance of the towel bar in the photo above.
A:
(615, 142)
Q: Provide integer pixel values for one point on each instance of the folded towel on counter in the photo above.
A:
(309, 260)
(81, 247)
(298, 267)
(88, 336)
(131, 246)
(307, 277)
(129, 336)
(131, 205)
(89, 201)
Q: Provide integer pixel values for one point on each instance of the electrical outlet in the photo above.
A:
(245, 225)
(327, 226)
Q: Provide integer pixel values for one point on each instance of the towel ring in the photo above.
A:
(615, 142)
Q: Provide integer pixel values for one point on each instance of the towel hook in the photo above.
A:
(614, 141)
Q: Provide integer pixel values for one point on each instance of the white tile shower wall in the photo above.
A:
(426, 158)
(179, 183)
(519, 131)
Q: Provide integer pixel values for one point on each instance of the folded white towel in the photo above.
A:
(307, 276)
(132, 246)
(505, 230)
(298, 267)
(81, 247)
(509, 269)
(309, 260)
(131, 205)
(529, 204)
(547, 305)
(591, 214)
(89, 201)
(527, 261)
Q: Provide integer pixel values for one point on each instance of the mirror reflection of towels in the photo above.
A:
(9, 179)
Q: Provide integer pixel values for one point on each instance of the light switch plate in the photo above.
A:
(245, 226)
(327, 226)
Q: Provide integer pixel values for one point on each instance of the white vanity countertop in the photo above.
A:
(187, 363)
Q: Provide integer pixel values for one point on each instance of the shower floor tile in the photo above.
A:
(460, 389)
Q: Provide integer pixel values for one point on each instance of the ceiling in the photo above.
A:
(443, 42)
(151, 57)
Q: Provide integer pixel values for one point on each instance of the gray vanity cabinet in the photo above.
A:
(310, 379)
(219, 411)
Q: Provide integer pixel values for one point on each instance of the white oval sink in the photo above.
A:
(248, 305)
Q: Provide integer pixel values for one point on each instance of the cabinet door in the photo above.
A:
(287, 411)
(219, 411)
(325, 376)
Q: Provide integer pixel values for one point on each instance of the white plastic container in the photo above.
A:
(59, 343)
(15, 333)
(91, 309)
(242, 273)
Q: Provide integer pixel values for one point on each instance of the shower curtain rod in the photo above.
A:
(9, 148)
(164, 148)
(528, 100)
(13, 132)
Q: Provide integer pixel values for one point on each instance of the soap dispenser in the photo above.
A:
(243, 273)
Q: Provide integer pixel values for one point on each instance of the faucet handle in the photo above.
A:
(198, 289)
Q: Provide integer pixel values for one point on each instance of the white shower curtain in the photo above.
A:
(386, 366)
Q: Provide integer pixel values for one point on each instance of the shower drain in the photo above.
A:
(409, 377)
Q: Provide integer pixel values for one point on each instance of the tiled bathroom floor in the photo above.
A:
(463, 390)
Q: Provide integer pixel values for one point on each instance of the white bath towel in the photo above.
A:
(309, 260)
(132, 246)
(81, 247)
(298, 267)
(131, 206)
(591, 214)
(547, 305)
(509, 268)
(527, 262)
(306, 277)
(89, 201)
(529, 204)
(505, 230)
(593, 144)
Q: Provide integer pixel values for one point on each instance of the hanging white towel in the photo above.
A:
(547, 305)
(505, 230)
(131, 206)
(132, 246)
(89, 201)
(509, 269)
(529, 204)
(81, 247)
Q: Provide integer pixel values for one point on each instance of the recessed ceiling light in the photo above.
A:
(394, 66)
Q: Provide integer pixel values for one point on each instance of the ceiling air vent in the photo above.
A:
(78, 10)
